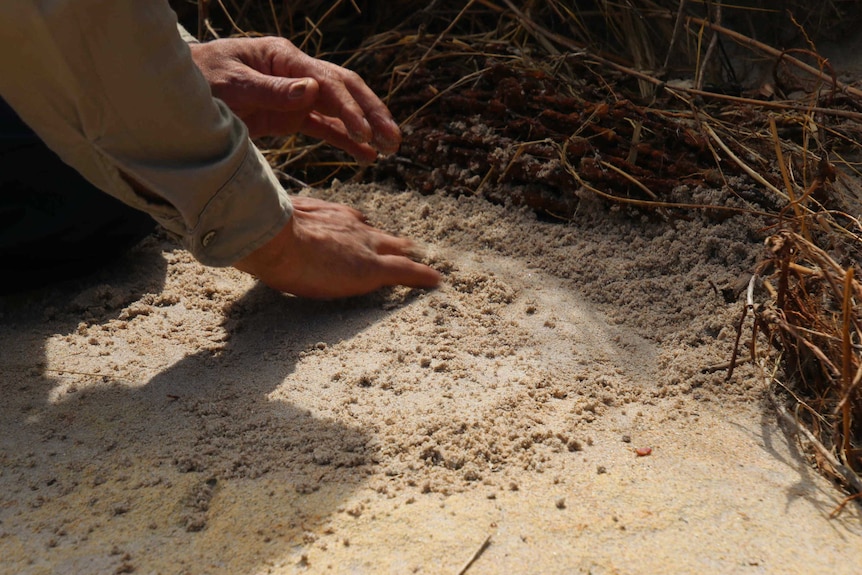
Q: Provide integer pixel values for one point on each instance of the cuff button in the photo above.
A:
(208, 238)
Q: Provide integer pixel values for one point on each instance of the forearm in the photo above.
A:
(112, 88)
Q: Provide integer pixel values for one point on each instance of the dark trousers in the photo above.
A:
(54, 224)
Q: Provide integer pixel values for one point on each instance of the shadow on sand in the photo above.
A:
(197, 464)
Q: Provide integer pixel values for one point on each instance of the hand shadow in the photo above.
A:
(196, 470)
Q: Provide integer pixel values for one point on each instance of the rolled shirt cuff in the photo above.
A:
(247, 212)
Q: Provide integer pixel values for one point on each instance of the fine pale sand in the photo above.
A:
(161, 417)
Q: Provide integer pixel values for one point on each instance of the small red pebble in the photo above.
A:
(643, 451)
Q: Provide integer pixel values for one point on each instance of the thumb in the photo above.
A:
(282, 94)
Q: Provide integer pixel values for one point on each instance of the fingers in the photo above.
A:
(392, 254)
(366, 118)
(273, 85)
(343, 95)
(386, 244)
(387, 134)
(308, 204)
(333, 131)
(401, 270)
(330, 130)
(397, 267)
(327, 250)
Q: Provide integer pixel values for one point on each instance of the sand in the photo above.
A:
(162, 417)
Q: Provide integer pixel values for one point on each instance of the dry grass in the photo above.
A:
(792, 133)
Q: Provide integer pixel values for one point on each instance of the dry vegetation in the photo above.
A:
(640, 103)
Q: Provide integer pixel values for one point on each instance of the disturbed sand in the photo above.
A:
(161, 417)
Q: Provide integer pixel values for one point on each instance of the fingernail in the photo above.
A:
(366, 162)
(297, 90)
(365, 135)
(386, 145)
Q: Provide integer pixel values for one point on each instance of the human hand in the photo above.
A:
(277, 89)
(327, 251)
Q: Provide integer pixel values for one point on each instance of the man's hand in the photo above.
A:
(276, 89)
(328, 251)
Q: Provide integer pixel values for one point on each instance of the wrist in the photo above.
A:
(276, 254)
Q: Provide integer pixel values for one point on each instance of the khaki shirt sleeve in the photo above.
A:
(187, 36)
(111, 87)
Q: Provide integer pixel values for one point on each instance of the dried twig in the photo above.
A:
(753, 174)
(485, 544)
(431, 48)
(748, 308)
(778, 54)
(807, 297)
(837, 511)
(847, 365)
(710, 49)
(847, 474)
